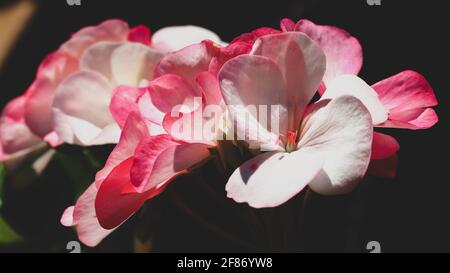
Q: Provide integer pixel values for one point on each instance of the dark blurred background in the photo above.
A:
(406, 214)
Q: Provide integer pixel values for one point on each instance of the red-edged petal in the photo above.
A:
(133, 132)
(408, 96)
(111, 206)
(140, 34)
(383, 146)
(160, 158)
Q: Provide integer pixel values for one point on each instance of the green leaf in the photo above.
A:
(7, 233)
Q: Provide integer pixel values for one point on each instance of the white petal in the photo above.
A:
(133, 62)
(340, 130)
(85, 95)
(272, 178)
(249, 83)
(98, 58)
(354, 86)
(177, 37)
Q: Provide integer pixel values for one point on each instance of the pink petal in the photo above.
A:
(171, 90)
(408, 96)
(343, 51)
(84, 217)
(227, 53)
(287, 24)
(67, 217)
(302, 64)
(340, 131)
(251, 37)
(248, 81)
(110, 30)
(160, 158)
(125, 101)
(192, 127)
(187, 62)
(133, 132)
(354, 86)
(140, 34)
(209, 85)
(38, 107)
(145, 157)
(272, 178)
(383, 146)
(178, 37)
(53, 139)
(412, 119)
(15, 136)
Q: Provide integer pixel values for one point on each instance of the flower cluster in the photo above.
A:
(291, 96)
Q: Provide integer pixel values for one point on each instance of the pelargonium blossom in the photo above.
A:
(69, 99)
(325, 145)
(147, 156)
(344, 57)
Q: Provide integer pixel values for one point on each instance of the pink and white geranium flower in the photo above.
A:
(388, 99)
(325, 145)
(147, 157)
(69, 99)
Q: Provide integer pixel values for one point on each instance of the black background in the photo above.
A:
(408, 213)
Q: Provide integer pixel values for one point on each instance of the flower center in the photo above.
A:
(291, 141)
